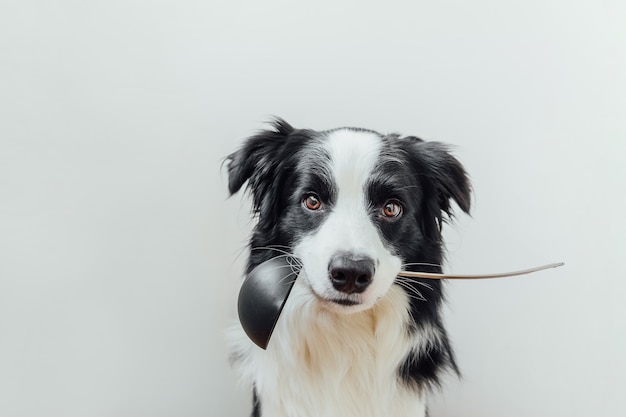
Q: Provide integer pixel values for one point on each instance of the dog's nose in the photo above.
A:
(351, 274)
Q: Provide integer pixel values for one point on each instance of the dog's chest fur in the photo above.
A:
(319, 364)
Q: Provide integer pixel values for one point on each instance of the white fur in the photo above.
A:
(322, 362)
(353, 156)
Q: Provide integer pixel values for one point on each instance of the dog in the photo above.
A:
(355, 207)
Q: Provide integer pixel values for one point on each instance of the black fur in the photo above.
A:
(256, 404)
(282, 163)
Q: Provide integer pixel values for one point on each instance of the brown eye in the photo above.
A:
(392, 210)
(312, 202)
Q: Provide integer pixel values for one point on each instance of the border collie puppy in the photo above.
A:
(355, 207)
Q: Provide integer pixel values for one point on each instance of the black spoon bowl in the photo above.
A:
(263, 295)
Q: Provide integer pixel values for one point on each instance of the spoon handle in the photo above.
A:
(411, 274)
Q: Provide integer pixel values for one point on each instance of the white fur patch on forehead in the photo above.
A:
(353, 156)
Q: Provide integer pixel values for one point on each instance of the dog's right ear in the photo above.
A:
(257, 162)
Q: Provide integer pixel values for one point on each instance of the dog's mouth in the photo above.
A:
(334, 300)
(344, 301)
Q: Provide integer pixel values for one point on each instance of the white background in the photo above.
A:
(120, 252)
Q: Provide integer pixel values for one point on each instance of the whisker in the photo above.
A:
(276, 268)
(407, 280)
(415, 294)
(295, 269)
(283, 280)
(404, 265)
(288, 256)
(291, 258)
(412, 292)
(274, 248)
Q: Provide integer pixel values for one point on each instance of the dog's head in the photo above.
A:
(353, 205)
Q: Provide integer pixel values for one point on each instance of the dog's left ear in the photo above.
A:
(442, 176)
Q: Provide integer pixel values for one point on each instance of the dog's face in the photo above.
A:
(355, 207)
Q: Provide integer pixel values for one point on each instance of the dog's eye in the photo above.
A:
(391, 210)
(312, 202)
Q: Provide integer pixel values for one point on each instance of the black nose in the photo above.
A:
(351, 274)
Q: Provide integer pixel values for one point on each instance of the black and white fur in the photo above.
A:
(355, 207)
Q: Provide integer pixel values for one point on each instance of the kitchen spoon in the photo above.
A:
(266, 288)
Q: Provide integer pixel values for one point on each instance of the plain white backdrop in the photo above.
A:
(120, 252)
